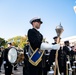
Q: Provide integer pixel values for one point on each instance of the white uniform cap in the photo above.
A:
(36, 19)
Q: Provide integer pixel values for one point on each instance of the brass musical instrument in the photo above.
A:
(74, 65)
(20, 57)
(68, 66)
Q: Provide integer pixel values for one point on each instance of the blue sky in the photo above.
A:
(16, 14)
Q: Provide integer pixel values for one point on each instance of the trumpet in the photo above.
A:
(74, 65)
(68, 66)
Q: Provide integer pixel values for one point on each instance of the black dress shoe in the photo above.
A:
(12, 73)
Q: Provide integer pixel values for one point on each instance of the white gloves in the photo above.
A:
(4, 62)
(46, 46)
(56, 47)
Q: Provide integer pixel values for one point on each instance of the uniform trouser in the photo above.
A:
(8, 69)
(26, 66)
(1, 60)
(29, 69)
(25, 71)
(34, 70)
(63, 69)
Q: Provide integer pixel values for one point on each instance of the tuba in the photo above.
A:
(20, 56)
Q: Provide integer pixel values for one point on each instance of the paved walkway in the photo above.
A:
(15, 72)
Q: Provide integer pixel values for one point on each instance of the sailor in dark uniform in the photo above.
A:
(35, 38)
(26, 62)
(1, 56)
(7, 64)
(53, 52)
(66, 51)
(73, 61)
(73, 55)
(37, 48)
(67, 48)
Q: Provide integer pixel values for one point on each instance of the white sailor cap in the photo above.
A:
(36, 19)
(9, 43)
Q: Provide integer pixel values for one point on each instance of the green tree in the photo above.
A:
(2, 42)
(18, 41)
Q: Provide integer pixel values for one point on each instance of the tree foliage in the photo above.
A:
(18, 41)
(2, 42)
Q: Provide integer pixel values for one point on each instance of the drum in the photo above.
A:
(12, 55)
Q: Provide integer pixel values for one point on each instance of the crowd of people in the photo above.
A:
(8, 66)
(40, 56)
(48, 58)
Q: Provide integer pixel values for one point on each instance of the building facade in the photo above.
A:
(71, 39)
